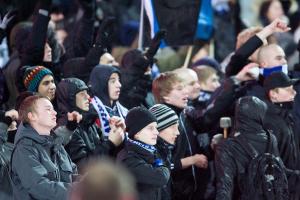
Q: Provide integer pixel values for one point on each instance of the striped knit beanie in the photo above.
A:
(165, 116)
(33, 76)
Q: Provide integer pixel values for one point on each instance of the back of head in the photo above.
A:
(134, 61)
(204, 72)
(249, 114)
(186, 74)
(105, 180)
(18, 36)
(163, 84)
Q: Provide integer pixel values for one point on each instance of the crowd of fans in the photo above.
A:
(86, 115)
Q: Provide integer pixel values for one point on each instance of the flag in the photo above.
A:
(184, 20)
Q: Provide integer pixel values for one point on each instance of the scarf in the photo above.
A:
(265, 72)
(103, 115)
(147, 147)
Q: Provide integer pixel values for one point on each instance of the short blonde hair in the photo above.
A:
(163, 85)
(187, 75)
(204, 72)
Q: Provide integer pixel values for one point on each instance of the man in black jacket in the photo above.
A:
(231, 159)
(280, 94)
(140, 157)
(88, 142)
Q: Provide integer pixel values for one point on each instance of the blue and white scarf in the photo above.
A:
(103, 115)
(265, 72)
(147, 147)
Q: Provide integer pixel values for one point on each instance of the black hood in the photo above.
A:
(99, 82)
(66, 95)
(249, 115)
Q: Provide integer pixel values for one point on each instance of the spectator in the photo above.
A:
(6, 148)
(41, 80)
(140, 157)
(106, 87)
(167, 126)
(231, 158)
(88, 142)
(40, 166)
(279, 118)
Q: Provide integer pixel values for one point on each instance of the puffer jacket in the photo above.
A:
(40, 166)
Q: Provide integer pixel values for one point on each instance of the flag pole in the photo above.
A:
(141, 28)
(188, 56)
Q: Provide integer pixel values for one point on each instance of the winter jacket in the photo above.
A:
(150, 179)
(87, 141)
(41, 168)
(231, 160)
(187, 183)
(281, 121)
(6, 149)
(164, 151)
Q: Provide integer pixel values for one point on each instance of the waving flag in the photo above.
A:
(184, 20)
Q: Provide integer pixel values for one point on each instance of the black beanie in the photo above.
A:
(137, 119)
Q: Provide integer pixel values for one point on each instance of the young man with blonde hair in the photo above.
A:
(40, 166)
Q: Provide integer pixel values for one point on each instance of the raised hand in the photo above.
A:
(105, 31)
(74, 116)
(6, 20)
(155, 43)
(247, 73)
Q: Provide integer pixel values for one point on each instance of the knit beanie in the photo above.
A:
(165, 116)
(33, 76)
(137, 119)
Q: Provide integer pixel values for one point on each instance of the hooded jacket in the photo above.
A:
(41, 168)
(87, 140)
(99, 87)
(231, 160)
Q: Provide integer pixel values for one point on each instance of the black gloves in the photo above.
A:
(103, 38)
(154, 45)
